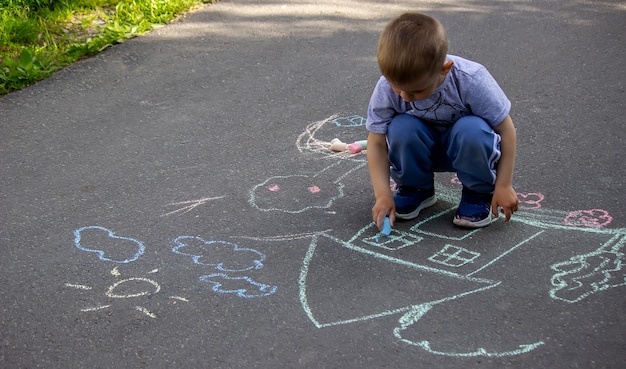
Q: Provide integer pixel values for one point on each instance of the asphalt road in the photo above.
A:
(172, 202)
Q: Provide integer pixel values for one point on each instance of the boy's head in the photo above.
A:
(412, 47)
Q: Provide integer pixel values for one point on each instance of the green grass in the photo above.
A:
(39, 37)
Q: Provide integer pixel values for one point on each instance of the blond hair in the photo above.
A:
(411, 46)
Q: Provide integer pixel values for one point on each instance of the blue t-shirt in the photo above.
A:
(468, 89)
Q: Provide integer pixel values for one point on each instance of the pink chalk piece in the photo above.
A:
(393, 185)
(314, 189)
(274, 188)
(531, 200)
(594, 218)
(355, 148)
(455, 179)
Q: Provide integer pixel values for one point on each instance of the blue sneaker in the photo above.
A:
(474, 210)
(410, 201)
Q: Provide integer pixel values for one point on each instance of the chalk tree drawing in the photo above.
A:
(583, 275)
(447, 259)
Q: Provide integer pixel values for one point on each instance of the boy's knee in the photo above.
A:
(471, 129)
(405, 128)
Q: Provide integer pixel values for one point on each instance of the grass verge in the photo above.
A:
(39, 37)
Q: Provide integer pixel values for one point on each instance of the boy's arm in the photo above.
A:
(378, 165)
(504, 195)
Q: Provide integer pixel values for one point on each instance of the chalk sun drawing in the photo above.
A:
(221, 255)
(127, 288)
(107, 245)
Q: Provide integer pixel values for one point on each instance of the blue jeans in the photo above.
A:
(471, 148)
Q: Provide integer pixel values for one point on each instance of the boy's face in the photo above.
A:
(421, 88)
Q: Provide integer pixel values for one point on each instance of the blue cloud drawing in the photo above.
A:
(225, 284)
(349, 121)
(136, 248)
(221, 255)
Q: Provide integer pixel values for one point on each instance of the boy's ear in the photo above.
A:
(447, 65)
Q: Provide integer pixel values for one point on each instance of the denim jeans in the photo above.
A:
(470, 147)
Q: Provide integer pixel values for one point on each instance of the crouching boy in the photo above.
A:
(434, 112)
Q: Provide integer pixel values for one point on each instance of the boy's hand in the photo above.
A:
(383, 207)
(378, 165)
(506, 198)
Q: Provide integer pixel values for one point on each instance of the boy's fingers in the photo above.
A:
(494, 209)
(508, 212)
(380, 218)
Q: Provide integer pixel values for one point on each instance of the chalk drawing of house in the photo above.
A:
(435, 263)
(543, 257)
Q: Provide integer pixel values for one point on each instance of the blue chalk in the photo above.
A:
(386, 227)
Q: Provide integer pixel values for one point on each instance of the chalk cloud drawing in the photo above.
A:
(221, 255)
(451, 258)
(228, 258)
(242, 286)
(107, 245)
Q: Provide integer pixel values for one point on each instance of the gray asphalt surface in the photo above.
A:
(172, 202)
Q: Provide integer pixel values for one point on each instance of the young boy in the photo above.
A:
(433, 112)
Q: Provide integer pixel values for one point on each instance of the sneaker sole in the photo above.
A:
(468, 224)
(412, 215)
